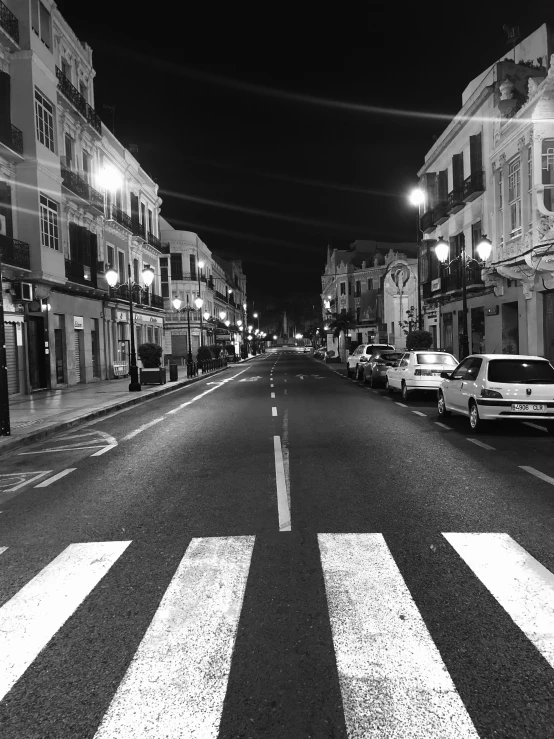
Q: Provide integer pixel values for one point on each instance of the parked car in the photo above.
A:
(488, 387)
(361, 355)
(375, 371)
(419, 369)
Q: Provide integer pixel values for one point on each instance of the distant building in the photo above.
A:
(376, 282)
(492, 172)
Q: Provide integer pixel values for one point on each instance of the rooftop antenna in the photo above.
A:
(513, 37)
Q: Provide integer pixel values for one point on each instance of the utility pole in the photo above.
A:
(4, 402)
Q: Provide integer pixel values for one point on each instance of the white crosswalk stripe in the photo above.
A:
(392, 677)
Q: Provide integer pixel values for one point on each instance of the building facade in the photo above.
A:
(374, 282)
(490, 172)
(190, 270)
(61, 221)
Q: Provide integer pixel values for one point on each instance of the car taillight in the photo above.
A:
(419, 372)
(486, 393)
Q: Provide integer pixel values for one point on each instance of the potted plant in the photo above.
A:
(152, 372)
(419, 340)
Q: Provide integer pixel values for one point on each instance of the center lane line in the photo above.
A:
(482, 444)
(282, 499)
(540, 475)
(274, 411)
(272, 395)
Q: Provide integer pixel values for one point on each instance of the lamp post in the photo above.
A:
(417, 197)
(4, 401)
(188, 308)
(483, 250)
(200, 267)
(148, 276)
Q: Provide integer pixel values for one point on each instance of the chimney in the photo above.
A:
(133, 148)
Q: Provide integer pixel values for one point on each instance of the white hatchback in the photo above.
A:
(361, 355)
(500, 386)
(419, 369)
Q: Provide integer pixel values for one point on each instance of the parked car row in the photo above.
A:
(483, 387)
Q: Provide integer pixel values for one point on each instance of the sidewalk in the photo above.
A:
(33, 417)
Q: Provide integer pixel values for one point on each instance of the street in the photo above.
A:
(278, 551)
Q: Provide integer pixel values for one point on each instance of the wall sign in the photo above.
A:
(492, 310)
(78, 323)
(121, 316)
(436, 284)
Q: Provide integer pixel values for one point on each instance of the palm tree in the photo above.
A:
(341, 325)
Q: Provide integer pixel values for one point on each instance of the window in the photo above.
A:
(44, 119)
(514, 197)
(83, 89)
(548, 173)
(111, 255)
(530, 167)
(343, 288)
(192, 266)
(95, 348)
(41, 22)
(135, 270)
(150, 222)
(49, 223)
(68, 143)
(436, 359)
(349, 287)
(461, 371)
(86, 167)
(143, 214)
(476, 233)
(66, 69)
(357, 315)
(176, 267)
(164, 277)
(521, 371)
(358, 290)
(121, 266)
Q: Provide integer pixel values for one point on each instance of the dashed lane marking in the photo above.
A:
(143, 428)
(443, 425)
(535, 425)
(540, 475)
(272, 395)
(482, 444)
(274, 411)
(104, 450)
(285, 392)
(419, 413)
(282, 500)
(401, 404)
(55, 478)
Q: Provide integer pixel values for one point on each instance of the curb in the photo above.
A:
(14, 443)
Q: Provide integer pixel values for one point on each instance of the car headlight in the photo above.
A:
(486, 393)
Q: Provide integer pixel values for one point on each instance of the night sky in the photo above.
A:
(276, 129)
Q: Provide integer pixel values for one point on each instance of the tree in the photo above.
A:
(341, 325)
(419, 340)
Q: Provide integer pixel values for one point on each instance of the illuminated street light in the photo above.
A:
(222, 314)
(417, 197)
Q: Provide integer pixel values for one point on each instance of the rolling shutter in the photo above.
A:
(77, 357)
(11, 357)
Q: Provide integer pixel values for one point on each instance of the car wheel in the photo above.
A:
(405, 393)
(388, 387)
(475, 422)
(441, 407)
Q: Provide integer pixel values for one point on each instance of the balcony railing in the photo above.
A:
(141, 296)
(78, 101)
(119, 216)
(426, 221)
(14, 252)
(138, 229)
(455, 200)
(452, 277)
(80, 273)
(9, 22)
(14, 140)
(77, 185)
(154, 241)
(474, 185)
(440, 213)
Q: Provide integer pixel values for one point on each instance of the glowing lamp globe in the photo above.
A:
(176, 303)
(227, 323)
(148, 275)
(222, 314)
(198, 303)
(442, 250)
(417, 196)
(112, 277)
(206, 315)
(484, 248)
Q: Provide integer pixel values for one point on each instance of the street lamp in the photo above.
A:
(188, 308)
(112, 278)
(417, 198)
(200, 268)
(483, 249)
(256, 315)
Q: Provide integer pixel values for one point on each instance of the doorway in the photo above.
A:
(510, 328)
(38, 375)
(549, 326)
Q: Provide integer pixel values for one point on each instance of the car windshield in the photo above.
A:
(521, 370)
(387, 356)
(436, 359)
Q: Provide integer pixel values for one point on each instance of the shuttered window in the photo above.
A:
(176, 267)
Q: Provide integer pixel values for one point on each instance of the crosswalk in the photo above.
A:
(393, 679)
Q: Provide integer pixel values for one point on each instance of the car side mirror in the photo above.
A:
(446, 375)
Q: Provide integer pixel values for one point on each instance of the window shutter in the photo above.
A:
(73, 246)
(475, 153)
(458, 171)
(134, 212)
(5, 115)
(443, 186)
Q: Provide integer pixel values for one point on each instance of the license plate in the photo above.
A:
(529, 407)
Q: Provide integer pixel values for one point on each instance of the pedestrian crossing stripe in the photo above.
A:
(392, 677)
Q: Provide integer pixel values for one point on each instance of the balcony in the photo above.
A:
(473, 275)
(456, 200)
(141, 296)
(138, 229)
(82, 274)
(440, 213)
(427, 222)
(14, 253)
(474, 185)
(11, 145)
(156, 301)
(9, 23)
(119, 216)
(78, 101)
(154, 241)
(82, 189)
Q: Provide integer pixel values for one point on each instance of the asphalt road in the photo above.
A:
(327, 562)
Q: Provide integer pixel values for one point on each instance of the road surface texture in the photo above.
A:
(277, 552)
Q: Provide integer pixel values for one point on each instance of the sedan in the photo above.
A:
(419, 369)
(374, 372)
(486, 387)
